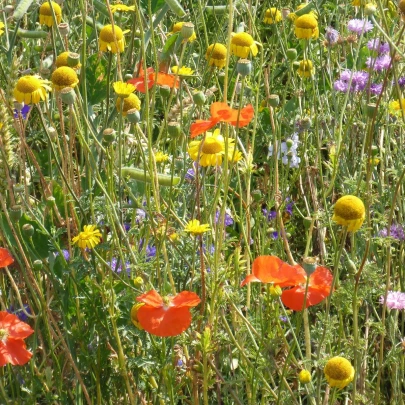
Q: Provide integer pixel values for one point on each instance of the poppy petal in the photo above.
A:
(221, 111)
(185, 299)
(164, 322)
(151, 298)
(14, 351)
(14, 326)
(167, 79)
(5, 258)
(201, 126)
(139, 82)
(246, 115)
(294, 297)
(249, 279)
(321, 277)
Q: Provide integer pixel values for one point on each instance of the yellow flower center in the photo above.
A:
(307, 21)
(107, 35)
(242, 39)
(216, 51)
(338, 368)
(64, 76)
(211, 146)
(28, 84)
(349, 207)
(177, 27)
(45, 9)
(306, 65)
(3, 335)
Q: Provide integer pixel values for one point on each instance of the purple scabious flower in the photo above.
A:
(376, 88)
(116, 266)
(19, 312)
(359, 26)
(379, 63)
(150, 252)
(401, 81)
(331, 35)
(24, 111)
(395, 300)
(228, 220)
(377, 46)
(396, 232)
(359, 81)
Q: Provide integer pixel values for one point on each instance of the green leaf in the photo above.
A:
(96, 78)
(170, 43)
(156, 5)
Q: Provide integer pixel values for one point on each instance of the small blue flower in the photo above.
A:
(19, 312)
(24, 111)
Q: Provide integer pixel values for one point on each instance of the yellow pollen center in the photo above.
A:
(217, 52)
(3, 335)
(306, 21)
(211, 146)
(106, 33)
(45, 9)
(28, 84)
(242, 39)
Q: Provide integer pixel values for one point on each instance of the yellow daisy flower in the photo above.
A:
(64, 76)
(31, 89)
(177, 28)
(129, 103)
(196, 228)
(349, 211)
(183, 71)
(134, 315)
(272, 16)
(306, 27)
(107, 41)
(45, 13)
(121, 8)
(210, 151)
(88, 238)
(161, 157)
(395, 106)
(1, 28)
(123, 89)
(216, 55)
(306, 68)
(339, 372)
(242, 44)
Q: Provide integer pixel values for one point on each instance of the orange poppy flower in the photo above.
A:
(12, 346)
(5, 258)
(162, 79)
(167, 316)
(271, 269)
(221, 112)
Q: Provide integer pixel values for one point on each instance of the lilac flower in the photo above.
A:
(331, 35)
(289, 208)
(283, 318)
(65, 254)
(395, 300)
(359, 26)
(150, 252)
(24, 111)
(274, 235)
(211, 250)
(379, 63)
(401, 81)
(289, 151)
(228, 220)
(19, 312)
(179, 363)
(127, 226)
(376, 88)
(377, 46)
(116, 266)
(359, 81)
(396, 232)
(140, 215)
(190, 175)
(270, 215)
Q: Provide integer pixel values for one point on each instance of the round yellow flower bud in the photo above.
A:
(304, 377)
(339, 372)
(349, 211)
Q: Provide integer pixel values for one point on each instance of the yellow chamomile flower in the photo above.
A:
(64, 76)
(88, 238)
(272, 16)
(177, 28)
(183, 71)
(196, 228)
(121, 7)
(123, 89)
(395, 106)
(242, 44)
(134, 314)
(31, 89)
(216, 55)
(107, 41)
(210, 151)
(304, 377)
(1, 28)
(161, 157)
(306, 27)
(45, 13)
(339, 372)
(349, 211)
(129, 103)
(306, 68)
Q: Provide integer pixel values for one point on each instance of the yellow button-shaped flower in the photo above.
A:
(306, 27)
(349, 211)
(128, 103)
(107, 39)
(64, 76)
(242, 44)
(45, 13)
(216, 55)
(339, 372)
(272, 16)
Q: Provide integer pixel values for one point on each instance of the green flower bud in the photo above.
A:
(37, 265)
(291, 54)
(133, 116)
(274, 100)
(28, 230)
(173, 128)
(199, 98)
(15, 212)
(244, 67)
(187, 30)
(108, 136)
(73, 59)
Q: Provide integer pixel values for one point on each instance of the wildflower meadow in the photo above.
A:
(202, 202)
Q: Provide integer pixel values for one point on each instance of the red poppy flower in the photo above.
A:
(12, 346)
(221, 112)
(271, 269)
(162, 79)
(168, 316)
(5, 258)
